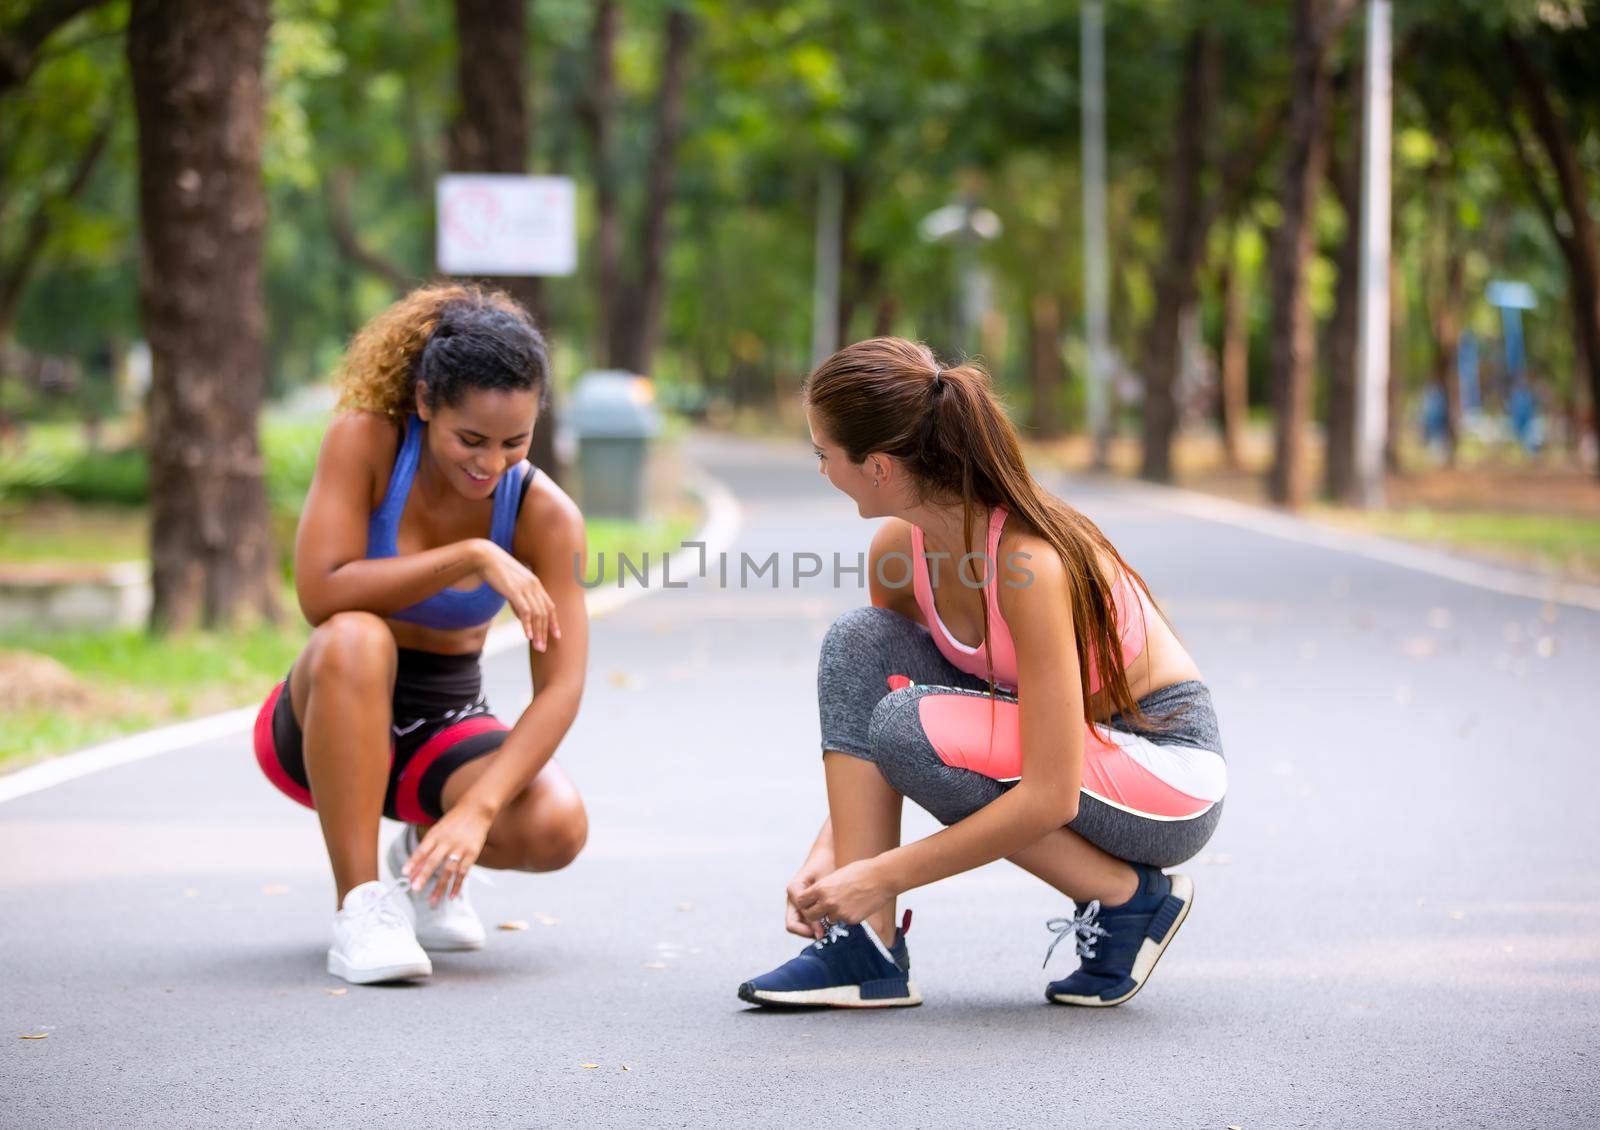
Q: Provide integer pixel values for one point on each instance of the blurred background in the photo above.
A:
(1144, 218)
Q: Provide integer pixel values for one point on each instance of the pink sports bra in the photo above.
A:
(1125, 597)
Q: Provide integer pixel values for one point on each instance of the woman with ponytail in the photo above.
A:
(1012, 676)
(422, 521)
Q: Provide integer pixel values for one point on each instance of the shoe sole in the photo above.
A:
(1149, 953)
(842, 996)
(450, 945)
(406, 971)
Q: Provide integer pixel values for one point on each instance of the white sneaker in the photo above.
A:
(453, 924)
(373, 939)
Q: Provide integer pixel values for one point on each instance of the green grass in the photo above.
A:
(139, 681)
(1555, 541)
(67, 532)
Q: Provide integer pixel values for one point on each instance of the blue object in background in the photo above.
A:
(1467, 372)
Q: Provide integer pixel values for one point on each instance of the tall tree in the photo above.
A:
(1568, 215)
(196, 71)
(632, 288)
(1293, 346)
(1340, 480)
(1186, 241)
(490, 134)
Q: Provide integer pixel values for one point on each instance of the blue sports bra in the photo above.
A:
(448, 608)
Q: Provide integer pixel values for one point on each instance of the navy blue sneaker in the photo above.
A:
(848, 967)
(1120, 945)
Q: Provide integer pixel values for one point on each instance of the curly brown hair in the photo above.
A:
(380, 369)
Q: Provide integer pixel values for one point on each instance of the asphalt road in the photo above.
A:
(1397, 923)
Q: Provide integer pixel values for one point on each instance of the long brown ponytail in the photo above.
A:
(947, 426)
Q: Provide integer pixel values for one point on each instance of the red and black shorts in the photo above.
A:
(439, 721)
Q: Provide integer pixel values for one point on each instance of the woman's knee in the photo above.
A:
(861, 631)
(351, 646)
(556, 837)
(894, 728)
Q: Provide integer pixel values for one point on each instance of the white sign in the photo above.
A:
(503, 224)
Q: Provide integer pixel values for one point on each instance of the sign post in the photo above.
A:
(504, 224)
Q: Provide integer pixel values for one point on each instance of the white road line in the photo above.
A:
(723, 519)
(1508, 581)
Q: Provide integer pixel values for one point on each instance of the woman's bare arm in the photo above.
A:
(1051, 708)
(550, 541)
(331, 571)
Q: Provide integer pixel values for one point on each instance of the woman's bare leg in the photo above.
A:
(341, 689)
(542, 828)
(1078, 869)
(866, 821)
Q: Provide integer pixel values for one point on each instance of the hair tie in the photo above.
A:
(938, 378)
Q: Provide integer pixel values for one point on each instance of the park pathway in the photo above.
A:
(1398, 921)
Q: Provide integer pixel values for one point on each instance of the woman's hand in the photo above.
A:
(450, 848)
(522, 590)
(817, 864)
(849, 895)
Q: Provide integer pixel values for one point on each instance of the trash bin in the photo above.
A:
(614, 416)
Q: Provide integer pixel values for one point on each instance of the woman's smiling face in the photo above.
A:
(854, 480)
(474, 442)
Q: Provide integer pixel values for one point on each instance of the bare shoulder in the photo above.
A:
(358, 448)
(892, 538)
(1032, 575)
(367, 433)
(549, 522)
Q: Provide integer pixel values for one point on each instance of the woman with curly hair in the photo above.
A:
(422, 521)
(1013, 676)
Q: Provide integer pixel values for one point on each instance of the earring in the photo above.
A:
(877, 482)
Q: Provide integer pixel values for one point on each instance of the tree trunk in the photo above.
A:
(1235, 392)
(196, 70)
(1580, 245)
(599, 113)
(490, 134)
(1448, 286)
(640, 329)
(1293, 345)
(1394, 419)
(1186, 238)
(1340, 481)
(1044, 339)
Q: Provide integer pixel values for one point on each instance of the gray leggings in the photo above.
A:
(862, 716)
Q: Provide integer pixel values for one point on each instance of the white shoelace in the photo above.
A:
(384, 908)
(1082, 927)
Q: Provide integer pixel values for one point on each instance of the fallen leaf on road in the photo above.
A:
(275, 889)
(625, 1067)
(588, 1066)
(336, 992)
(517, 925)
(1419, 647)
(546, 920)
(1546, 647)
(655, 965)
(37, 1036)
